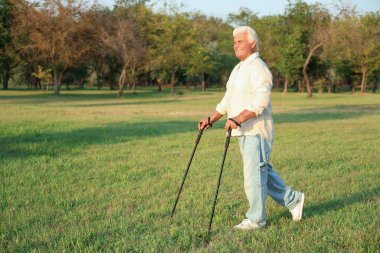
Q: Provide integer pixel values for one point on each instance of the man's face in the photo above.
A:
(242, 47)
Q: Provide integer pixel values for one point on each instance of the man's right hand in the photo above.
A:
(204, 124)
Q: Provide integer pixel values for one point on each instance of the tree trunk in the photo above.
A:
(203, 82)
(133, 77)
(6, 77)
(306, 79)
(363, 84)
(196, 85)
(57, 81)
(301, 87)
(133, 87)
(374, 86)
(7, 67)
(286, 85)
(304, 69)
(6, 74)
(112, 83)
(159, 84)
(173, 82)
(98, 76)
(329, 86)
(121, 82)
(352, 84)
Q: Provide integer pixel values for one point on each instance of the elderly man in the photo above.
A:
(247, 103)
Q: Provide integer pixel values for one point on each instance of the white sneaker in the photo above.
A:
(297, 211)
(247, 224)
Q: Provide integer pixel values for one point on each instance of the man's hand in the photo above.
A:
(232, 124)
(236, 121)
(204, 123)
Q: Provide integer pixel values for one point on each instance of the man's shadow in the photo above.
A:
(312, 209)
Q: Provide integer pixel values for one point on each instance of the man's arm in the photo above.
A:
(242, 117)
(205, 123)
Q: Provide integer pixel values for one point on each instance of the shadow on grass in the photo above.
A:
(339, 112)
(130, 102)
(317, 209)
(54, 143)
(51, 144)
(34, 96)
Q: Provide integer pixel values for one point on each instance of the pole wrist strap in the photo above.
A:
(237, 123)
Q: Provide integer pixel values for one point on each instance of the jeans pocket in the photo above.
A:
(265, 149)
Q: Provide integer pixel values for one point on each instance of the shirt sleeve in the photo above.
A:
(222, 106)
(261, 83)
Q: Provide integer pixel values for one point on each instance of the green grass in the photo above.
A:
(87, 171)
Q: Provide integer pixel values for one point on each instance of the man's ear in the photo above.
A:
(253, 46)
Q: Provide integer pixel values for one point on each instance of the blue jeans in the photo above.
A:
(260, 179)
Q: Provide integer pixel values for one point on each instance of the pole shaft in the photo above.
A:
(219, 179)
(187, 170)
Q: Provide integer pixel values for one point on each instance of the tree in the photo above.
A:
(320, 21)
(290, 58)
(99, 58)
(365, 46)
(171, 42)
(122, 36)
(356, 42)
(43, 76)
(201, 54)
(8, 50)
(280, 46)
(224, 57)
(242, 18)
(56, 30)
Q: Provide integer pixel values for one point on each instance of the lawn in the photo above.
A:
(87, 171)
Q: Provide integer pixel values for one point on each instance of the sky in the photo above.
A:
(221, 8)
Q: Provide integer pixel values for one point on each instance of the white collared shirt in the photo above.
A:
(249, 87)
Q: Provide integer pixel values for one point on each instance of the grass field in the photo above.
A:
(87, 171)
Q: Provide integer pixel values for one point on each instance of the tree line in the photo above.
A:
(307, 48)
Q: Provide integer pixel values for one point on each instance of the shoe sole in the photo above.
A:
(301, 202)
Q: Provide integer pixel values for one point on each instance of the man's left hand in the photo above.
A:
(230, 124)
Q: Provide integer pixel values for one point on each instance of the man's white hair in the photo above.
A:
(252, 35)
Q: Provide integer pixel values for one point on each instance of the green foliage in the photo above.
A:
(242, 18)
(87, 172)
(290, 56)
(135, 43)
(6, 18)
(42, 74)
(370, 27)
(171, 40)
(129, 3)
(298, 19)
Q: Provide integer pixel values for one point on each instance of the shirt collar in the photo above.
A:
(251, 58)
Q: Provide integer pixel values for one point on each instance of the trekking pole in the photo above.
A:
(220, 178)
(187, 170)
